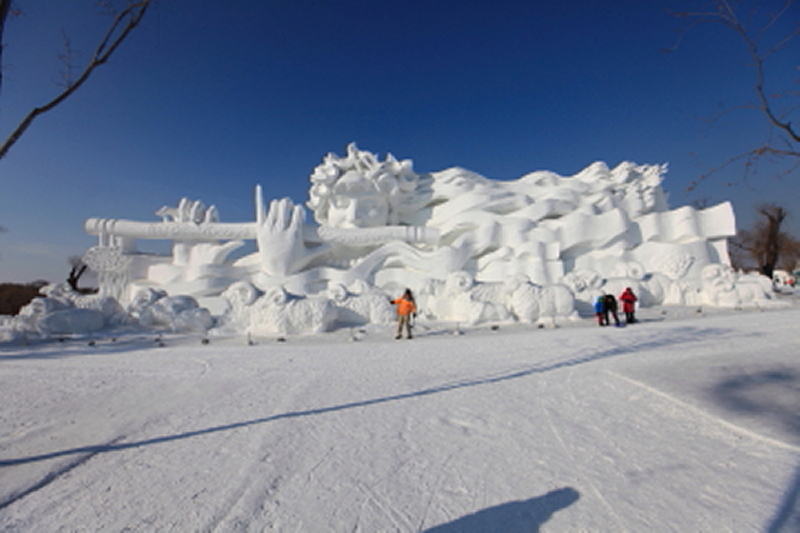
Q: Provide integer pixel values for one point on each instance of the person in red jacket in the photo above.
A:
(628, 300)
(405, 309)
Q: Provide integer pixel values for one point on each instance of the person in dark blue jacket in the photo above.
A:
(601, 311)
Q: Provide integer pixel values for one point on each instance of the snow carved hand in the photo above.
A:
(280, 238)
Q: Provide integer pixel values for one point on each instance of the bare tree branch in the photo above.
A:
(67, 58)
(5, 9)
(123, 23)
(749, 159)
(729, 18)
(786, 142)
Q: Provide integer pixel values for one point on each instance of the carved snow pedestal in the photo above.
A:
(538, 249)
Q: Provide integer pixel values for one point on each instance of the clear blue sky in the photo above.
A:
(208, 99)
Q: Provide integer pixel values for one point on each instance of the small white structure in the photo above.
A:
(535, 249)
(782, 278)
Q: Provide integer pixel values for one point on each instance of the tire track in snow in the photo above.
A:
(611, 442)
(401, 523)
(706, 415)
(226, 508)
(574, 460)
(56, 474)
(310, 474)
(435, 489)
(371, 496)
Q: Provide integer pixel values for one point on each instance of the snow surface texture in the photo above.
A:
(539, 249)
(686, 421)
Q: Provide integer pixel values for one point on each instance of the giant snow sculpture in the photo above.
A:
(536, 249)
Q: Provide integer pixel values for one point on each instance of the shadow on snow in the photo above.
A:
(774, 395)
(526, 515)
(93, 345)
(787, 516)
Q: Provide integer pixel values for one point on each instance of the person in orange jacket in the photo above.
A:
(628, 300)
(405, 309)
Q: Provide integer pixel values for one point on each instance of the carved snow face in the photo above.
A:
(641, 200)
(357, 202)
(362, 211)
(359, 191)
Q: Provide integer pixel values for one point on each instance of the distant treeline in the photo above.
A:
(13, 296)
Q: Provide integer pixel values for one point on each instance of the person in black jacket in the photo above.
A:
(611, 308)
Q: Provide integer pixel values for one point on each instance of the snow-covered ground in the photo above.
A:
(684, 422)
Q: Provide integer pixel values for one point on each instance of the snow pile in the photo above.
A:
(63, 311)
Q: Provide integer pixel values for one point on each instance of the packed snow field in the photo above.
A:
(686, 421)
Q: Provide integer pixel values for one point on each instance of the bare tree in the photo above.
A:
(783, 143)
(78, 269)
(765, 243)
(5, 9)
(123, 22)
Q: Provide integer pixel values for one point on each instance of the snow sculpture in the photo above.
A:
(69, 321)
(155, 309)
(361, 305)
(460, 299)
(62, 311)
(275, 311)
(723, 287)
(107, 306)
(460, 240)
(532, 303)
